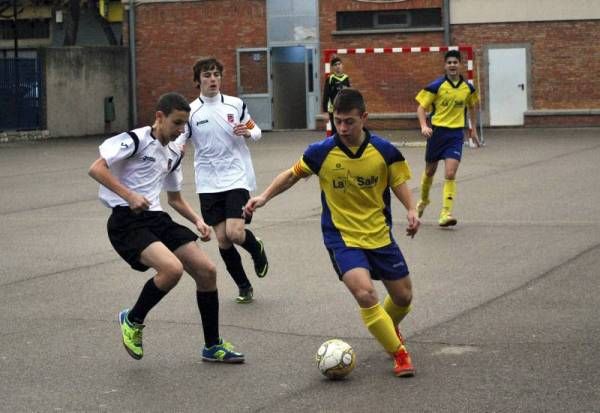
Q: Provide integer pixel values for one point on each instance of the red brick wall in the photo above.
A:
(565, 59)
(389, 82)
(562, 121)
(171, 36)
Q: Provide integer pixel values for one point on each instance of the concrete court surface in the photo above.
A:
(505, 314)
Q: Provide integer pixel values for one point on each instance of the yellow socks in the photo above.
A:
(397, 313)
(380, 325)
(426, 182)
(449, 194)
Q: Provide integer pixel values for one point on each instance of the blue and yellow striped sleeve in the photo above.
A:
(399, 172)
(425, 99)
(473, 98)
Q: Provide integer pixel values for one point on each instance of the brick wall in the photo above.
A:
(389, 82)
(171, 36)
(565, 61)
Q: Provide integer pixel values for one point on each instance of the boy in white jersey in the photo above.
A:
(219, 126)
(132, 169)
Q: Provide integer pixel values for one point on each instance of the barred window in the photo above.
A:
(389, 19)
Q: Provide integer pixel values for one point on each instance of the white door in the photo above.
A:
(254, 84)
(508, 86)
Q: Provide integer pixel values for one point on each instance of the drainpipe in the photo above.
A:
(446, 21)
(132, 66)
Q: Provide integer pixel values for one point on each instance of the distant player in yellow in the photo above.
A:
(356, 172)
(447, 99)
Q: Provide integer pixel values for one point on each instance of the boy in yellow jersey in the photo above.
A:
(447, 99)
(356, 172)
(336, 81)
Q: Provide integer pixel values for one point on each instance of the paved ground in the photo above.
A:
(505, 314)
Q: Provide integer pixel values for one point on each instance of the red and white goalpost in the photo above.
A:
(401, 69)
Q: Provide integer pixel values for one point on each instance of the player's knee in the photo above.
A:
(403, 299)
(236, 235)
(450, 175)
(209, 275)
(366, 297)
(170, 274)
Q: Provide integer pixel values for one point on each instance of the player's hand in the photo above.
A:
(138, 203)
(413, 223)
(241, 130)
(204, 230)
(253, 204)
(426, 131)
(473, 137)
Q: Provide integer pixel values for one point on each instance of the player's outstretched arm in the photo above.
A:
(100, 172)
(179, 204)
(404, 195)
(281, 183)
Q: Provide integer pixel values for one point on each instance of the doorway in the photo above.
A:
(508, 86)
(288, 75)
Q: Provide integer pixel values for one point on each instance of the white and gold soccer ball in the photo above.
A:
(335, 359)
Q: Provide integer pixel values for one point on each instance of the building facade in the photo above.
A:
(533, 68)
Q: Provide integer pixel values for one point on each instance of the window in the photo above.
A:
(389, 19)
(26, 29)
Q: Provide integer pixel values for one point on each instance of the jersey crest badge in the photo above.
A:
(230, 117)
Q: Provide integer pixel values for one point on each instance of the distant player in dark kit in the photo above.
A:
(448, 99)
(336, 81)
(357, 173)
(133, 168)
(219, 127)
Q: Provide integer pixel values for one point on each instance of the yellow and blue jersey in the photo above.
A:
(355, 189)
(448, 102)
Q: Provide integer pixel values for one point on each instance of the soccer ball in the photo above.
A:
(335, 359)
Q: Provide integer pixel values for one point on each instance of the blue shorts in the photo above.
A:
(385, 263)
(444, 143)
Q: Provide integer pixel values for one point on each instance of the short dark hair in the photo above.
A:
(335, 60)
(204, 64)
(348, 99)
(452, 53)
(171, 101)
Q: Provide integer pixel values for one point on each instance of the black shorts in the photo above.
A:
(130, 233)
(217, 207)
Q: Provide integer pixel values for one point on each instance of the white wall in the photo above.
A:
(492, 11)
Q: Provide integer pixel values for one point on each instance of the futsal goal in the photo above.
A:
(390, 77)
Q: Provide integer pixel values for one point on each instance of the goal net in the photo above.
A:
(390, 77)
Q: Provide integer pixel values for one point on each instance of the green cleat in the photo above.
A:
(246, 296)
(222, 353)
(261, 265)
(132, 335)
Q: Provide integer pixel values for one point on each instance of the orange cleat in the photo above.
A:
(403, 366)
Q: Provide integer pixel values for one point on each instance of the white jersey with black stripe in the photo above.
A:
(221, 159)
(142, 164)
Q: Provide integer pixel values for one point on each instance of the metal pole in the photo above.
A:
(446, 21)
(132, 65)
(16, 59)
